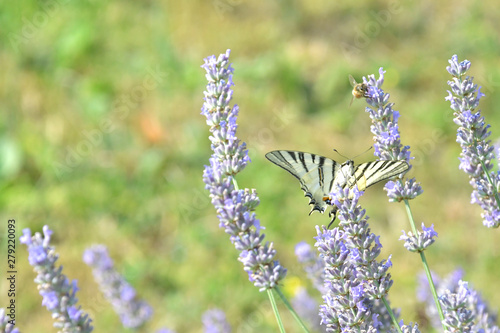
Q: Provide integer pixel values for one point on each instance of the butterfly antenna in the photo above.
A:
(335, 150)
(363, 152)
(347, 158)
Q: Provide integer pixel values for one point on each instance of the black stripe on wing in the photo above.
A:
(378, 171)
(310, 169)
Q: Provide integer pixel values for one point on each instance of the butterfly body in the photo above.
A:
(319, 176)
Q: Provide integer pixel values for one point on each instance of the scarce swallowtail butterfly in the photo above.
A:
(319, 176)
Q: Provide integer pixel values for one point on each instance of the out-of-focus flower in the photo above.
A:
(313, 265)
(214, 321)
(5, 325)
(484, 320)
(59, 295)
(457, 318)
(122, 296)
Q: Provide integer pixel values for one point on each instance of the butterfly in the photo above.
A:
(319, 176)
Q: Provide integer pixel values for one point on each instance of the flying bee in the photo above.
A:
(359, 89)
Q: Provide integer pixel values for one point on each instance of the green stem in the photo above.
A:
(426, 266)
(235, 183)
(290, 308)
(275, 309)
(393, 317)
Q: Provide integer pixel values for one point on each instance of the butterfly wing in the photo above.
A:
(315, 173)
(367, 174)
(318, 175)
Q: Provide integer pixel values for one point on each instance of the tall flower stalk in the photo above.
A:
(235, 207)
(357, 284)
(388, 146)
(59, 294)
(472, 135)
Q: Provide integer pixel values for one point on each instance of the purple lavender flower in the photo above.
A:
(355, 280)
(122, 296)
(457, 317)
(6, 323)
(313, 265)
(397, 191)
(419, 242)
(477, 150)
(387, 139)
(234, 206)
(214, 321)
(57, 292)
(484, 319)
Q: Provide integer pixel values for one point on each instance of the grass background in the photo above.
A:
(68, 68)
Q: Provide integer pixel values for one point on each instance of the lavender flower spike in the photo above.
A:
(457, 317)
(57, 292)
(387, 138)
(370, 277)
(6, 324)
(122, 296)
(313, 266)
(485, 320)
(472, 135)
(235, 207)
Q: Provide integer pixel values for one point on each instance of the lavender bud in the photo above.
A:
(421, 241)
(397, 191)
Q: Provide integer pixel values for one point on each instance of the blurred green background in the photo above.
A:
(102, 139)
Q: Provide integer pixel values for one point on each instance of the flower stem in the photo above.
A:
(426, 266)
(275, 310)
(389, 310)
(235, 183)
(290, 308)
